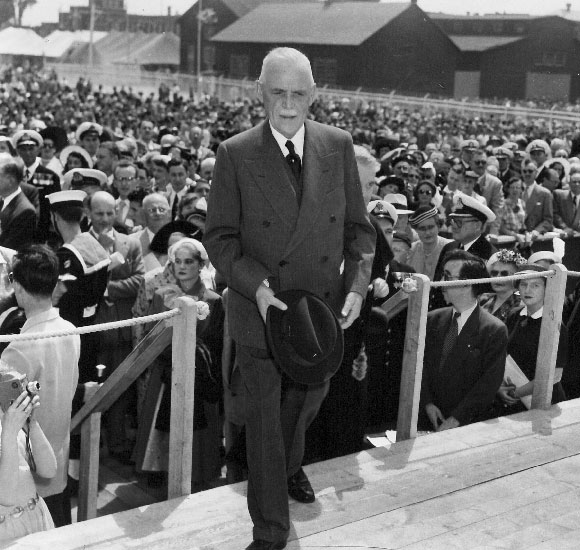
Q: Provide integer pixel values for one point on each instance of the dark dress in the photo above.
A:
(487, 302)
(523, 342)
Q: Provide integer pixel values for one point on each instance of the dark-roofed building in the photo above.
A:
(515, 56)
(381, 46)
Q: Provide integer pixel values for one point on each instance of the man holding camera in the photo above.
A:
(53, 362)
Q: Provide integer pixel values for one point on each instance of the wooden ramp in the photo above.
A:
(508, 483)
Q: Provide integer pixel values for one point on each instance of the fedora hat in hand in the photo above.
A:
(306, 340)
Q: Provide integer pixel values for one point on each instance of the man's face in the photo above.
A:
(465, 230)
(466, 154)
(90, 142)
(207, 172)
(366, 173)
(195, 137)
(478, 163)
(387, 229)
(287, 92)
(201, 190)
(102, 214)
(146, 131)
(104, 160)
(28, 153)
(468, 185)
(575, 183)
(401, 170)
(504, 163)
(157, 213)
(552, 181)
(124, 181)
(538, 156)
(455, 178)
(160, 174)
(136, 213)
(177, 177)
(529, 172)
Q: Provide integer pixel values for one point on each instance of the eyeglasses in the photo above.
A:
(460, 221)
(48, 145)
(160, 209)
(480, 162)
(125, 180)
(11, 277)
(497, 273)
(425, 192)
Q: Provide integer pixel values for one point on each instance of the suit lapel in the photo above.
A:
(316, 169)
(272, 178)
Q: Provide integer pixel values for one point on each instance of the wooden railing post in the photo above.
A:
(182, 391)
(412, 370)
(89, 468)
(549, 338)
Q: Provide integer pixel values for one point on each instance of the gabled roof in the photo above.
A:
(482, 43)
(162, 50)
(337, 23)
(58, 42)
(242, 7)
(485, 16)
(21, 41)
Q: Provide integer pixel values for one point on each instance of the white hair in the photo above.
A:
(285, 54)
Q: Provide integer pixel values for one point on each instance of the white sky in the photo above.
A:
(47, 10)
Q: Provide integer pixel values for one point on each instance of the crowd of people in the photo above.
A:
(104, 217)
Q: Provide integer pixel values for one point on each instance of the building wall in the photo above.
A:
(188, 33)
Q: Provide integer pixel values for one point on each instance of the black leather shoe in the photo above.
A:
(266, 545)
(299, 487)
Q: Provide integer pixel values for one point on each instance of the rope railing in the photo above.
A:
(469, 282)
(92, 328)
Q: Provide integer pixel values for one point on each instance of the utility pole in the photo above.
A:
(92, 30)
(199, 24)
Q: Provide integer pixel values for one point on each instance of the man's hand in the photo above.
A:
(448, 424)
(265, 298)
(506, 394)
(380, 288)
(351, 309)
(435, 415)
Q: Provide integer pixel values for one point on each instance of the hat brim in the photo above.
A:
(309, 375)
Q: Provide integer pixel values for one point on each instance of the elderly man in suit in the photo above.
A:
(567, 206)
(465, 351)
(538, 200)
(17, 215)
(116, 305)
(286, 209)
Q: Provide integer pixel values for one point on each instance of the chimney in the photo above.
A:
(168, 11)
(568, 6)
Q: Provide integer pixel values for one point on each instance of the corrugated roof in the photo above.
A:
(58, 42)
(485, 16)
(20, 41)
(482, 43)
(162, 50)
(339, 23)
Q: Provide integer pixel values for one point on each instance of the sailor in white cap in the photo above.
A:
(27, 144)
(85, 179)
(88, 137)
(539, 151)
(468, 146)
(386, 216)
(399, 201)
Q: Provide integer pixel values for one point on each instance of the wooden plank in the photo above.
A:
(412, 370)
(395, 304)
(89, 467)
(182, 392)
(127, 372)
(549, 338)
(395, 482)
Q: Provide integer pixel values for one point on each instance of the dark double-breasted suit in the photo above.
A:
(465, 385)
(256, 230)
(17, 223)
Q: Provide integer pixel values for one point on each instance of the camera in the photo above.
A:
(12, 384)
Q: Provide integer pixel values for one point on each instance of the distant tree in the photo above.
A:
(13, 10)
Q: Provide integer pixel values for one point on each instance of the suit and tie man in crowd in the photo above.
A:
(465, 351)
(567, 206)
(538, 201)
(17, 215)
(286, 209)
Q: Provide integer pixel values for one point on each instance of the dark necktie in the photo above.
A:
(294, 161)
(174, 208)
(450, 339)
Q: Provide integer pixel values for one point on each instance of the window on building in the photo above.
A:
(551, 59)
(239, 66)
(325, 70)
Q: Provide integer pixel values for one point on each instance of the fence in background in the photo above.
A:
(227, 89)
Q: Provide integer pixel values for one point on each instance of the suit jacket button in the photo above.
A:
(282, 263)
(266, 223)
